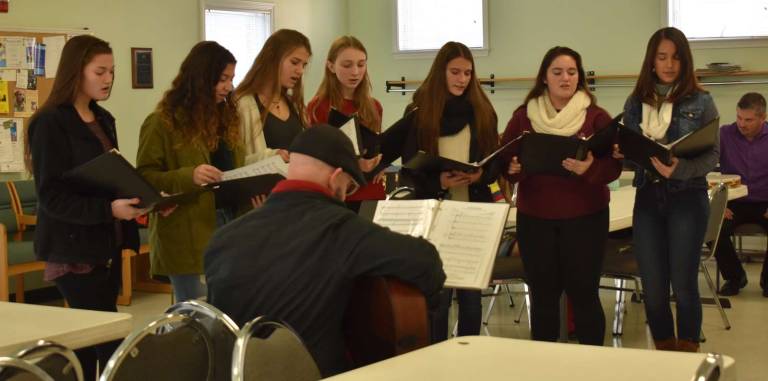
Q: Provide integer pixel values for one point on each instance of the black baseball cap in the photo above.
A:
(329, 145)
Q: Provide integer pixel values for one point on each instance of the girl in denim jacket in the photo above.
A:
(671, 206)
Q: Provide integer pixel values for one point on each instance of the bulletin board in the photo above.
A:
(13, 124)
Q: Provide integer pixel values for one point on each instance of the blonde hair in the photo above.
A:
(266, 70)
(330, 88)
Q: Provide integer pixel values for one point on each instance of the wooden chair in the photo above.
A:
(24, 204)
(17, 256)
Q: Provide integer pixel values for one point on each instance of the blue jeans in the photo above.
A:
(669, 230)
(187, 287)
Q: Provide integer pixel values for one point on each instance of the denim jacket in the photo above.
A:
(688, 114)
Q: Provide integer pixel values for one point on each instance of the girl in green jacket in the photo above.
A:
(188, 141)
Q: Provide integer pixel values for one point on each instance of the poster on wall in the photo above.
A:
(5, 99)
(11, 145)
(25, 102)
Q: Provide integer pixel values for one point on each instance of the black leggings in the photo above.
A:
(96, 291)
(564, 255)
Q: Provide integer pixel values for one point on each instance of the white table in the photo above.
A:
(495, 358)
(622, 203)
(21, 325)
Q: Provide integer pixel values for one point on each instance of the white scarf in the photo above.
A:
(655, 121)
(545, 119)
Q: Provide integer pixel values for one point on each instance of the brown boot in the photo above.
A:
(687, 346)
(666, 344)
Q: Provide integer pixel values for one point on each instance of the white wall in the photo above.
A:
(611, 36)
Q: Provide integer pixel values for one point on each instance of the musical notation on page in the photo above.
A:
(411, 217)
(274, 164)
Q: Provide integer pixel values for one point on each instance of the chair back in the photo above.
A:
(15, 369)
(56, 360)
(7, 212)
(270, 350)
(718, 200)
(221, 329)
(710, 369)
(26, 195)
(173, 347)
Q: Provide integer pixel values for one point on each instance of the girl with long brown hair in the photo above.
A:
(186, 142)
(80, 231)
(346, 88)
(671, 206)
(270, 99)
(450, 116)
(562, 221)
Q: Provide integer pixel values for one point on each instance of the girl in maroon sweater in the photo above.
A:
(562, 221)
(346, 88)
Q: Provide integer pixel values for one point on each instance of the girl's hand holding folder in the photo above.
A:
(664, 170)
(514, 166)
(617, 153)
(579, 167)
(125, 209)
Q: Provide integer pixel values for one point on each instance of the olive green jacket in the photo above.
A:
(167, 160)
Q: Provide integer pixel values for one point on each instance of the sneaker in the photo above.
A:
(732, 287)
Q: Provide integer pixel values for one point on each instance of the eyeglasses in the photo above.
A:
(352, 186)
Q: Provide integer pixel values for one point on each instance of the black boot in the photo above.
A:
(732, 287)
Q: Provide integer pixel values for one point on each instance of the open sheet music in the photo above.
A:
(466, 234)
(273, 164)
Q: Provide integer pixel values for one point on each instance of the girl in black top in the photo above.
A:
(450, 116)
(80, 231)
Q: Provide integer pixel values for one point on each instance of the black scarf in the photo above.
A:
(457, 113)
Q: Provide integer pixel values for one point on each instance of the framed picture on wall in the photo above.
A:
(141, 68)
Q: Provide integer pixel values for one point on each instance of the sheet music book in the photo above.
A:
(639, 148)
(110, 171)
(241, 184)
(425, 162)
(544, 153)
(466, 234)
(366, 142)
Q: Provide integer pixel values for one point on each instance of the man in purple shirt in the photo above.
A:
(744, 151)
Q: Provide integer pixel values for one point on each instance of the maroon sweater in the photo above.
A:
(558, 197)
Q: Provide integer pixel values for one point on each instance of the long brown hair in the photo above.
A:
(686, 82)
(429, 102)
(330, 88)
(265, 70)
(75, 56)
(541, 78)
(189, 106)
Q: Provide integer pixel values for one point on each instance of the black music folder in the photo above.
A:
(424, 162)
(367, 143)
(110, 171)
(544, 153)
(241, 190)
(639, 148)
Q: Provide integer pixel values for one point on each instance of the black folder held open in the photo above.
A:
(367, 143)
(110, 171)
(544, 153)
(637, 147)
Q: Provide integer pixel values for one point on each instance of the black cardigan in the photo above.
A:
(74, 222)
(401, 141)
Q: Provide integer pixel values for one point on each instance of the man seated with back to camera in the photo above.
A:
(296, 258)
(744, 151)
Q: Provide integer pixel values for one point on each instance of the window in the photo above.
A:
(425, 25)
(719, 19)
(240, 26)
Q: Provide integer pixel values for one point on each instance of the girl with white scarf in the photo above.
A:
(562, 221)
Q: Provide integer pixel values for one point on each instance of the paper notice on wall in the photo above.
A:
(11, 145)
(22, 79)
(8, 75)
(5, 99)
(16, 52)
(25, 102)
(53, 47)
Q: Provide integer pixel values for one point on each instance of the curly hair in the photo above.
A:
(189, 106)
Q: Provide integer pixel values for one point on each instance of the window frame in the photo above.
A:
(236, 6)
(429, 53)
(711, 42)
